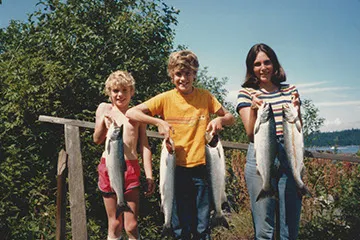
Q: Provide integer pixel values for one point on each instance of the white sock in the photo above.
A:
(110, 238)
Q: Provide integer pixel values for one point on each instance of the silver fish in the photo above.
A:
(167, 184)
(215, 164)
(116, 166)
(294, 146)
(265, 145)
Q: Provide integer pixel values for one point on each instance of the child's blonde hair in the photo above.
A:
(182, 60)
(118, 79)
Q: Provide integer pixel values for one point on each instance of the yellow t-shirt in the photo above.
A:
(189, 116)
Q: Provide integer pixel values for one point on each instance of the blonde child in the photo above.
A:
(120, 87)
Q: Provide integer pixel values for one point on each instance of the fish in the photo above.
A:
(167, 184)
(215, 165)
(265, 145)
(294, 146)
(116, 166)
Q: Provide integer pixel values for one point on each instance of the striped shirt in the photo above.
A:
(276, 99)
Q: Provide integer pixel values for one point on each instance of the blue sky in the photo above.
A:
(317, 43)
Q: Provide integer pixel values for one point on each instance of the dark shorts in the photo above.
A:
(132, 176)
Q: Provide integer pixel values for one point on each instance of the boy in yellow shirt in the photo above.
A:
(185, 117)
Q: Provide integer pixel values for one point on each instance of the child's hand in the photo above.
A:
(150, 187)
(164, 129)
(214, 126)
(108, 120)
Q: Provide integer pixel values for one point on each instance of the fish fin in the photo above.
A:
(219, 221)
(265, 194)
(304, 191)
(298, 126)
(256, 127)
(122, 208)
(167, 231)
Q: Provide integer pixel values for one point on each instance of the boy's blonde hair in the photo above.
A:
(118, 79)
(182, 60)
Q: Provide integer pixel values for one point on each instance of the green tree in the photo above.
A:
(311, 120)
(56, 64)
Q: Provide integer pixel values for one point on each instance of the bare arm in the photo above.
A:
(225, 118)
(140, 113)
(100, 122)
(248, 117)
(147, 159)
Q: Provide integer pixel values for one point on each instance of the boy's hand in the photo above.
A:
(164, 129)
(214, 126)
(150, 187)
(107, 120)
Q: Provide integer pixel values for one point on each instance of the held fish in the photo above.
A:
(215, 164)
(167, 184)
(265, 145)
(294, 146)
(116, 166)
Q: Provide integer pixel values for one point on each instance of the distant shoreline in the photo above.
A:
(349, 149)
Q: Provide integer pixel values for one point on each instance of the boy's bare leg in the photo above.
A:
(130, 219)
(114, 225)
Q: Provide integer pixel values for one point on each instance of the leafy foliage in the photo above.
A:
(55, 64)
(311, 120)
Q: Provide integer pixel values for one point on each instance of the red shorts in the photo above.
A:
(132, 176)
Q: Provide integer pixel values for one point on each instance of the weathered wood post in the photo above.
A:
(76, 183)
(61, 196)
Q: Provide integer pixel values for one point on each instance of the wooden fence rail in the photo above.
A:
(76, 179)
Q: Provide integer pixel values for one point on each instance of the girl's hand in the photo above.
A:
(295, 100)
(255, 101)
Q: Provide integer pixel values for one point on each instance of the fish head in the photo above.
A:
(290, 114)
(170, 146)
(211, 140)
(265, 112)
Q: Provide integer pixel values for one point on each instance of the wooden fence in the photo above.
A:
(71, 158)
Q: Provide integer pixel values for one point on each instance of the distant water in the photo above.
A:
(353, 149)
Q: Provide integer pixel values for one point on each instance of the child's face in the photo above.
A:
(183, 80)
(121, 95)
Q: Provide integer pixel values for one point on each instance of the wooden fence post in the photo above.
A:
(76, 183)
(61, 196)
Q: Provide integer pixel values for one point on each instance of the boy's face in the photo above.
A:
(183, 80)
(121, 95)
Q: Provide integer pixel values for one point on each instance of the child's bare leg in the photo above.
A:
(130, 219)
(114, 225)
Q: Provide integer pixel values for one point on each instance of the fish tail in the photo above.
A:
(304, 191)
(167, 231)
(219, 221)
(120, 208)
(265, 194)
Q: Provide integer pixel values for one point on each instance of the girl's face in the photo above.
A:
(121, 96)
(263, 68)
(183, 80)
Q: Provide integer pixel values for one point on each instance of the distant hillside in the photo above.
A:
(340, 138)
